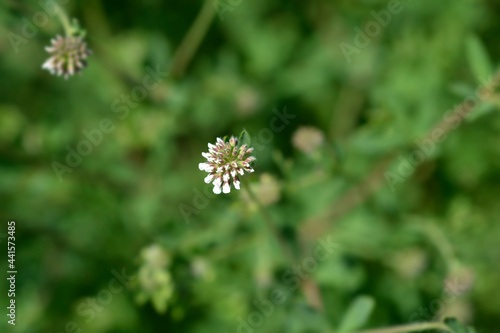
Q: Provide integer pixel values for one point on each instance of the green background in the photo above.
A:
(124, 206)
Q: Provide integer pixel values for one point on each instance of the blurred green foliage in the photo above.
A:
(136, 206)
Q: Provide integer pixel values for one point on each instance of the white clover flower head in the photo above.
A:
(225, 160)
(68, 55)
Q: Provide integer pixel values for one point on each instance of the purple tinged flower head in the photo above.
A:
(225, 161)
(68, 55)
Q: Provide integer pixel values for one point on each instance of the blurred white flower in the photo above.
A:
(307, 139)
(267, 189)
(155, 256)
(68, 56)
(155, 282)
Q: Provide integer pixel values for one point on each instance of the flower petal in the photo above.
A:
(236, 183)
(217, 189)
(203, 166)
(49, 63)
(250, 159)
(217, 182)
(209, 178)
(208, 156)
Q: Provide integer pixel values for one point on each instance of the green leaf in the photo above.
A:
(456, 326)
(478, 58)
(245, 137)
(303, 319)
(481, 110)
(357, 314)
(462, 89)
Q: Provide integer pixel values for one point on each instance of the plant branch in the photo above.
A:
(409, 328)
(63, 17)
(315, 226)
(269, 222)
(318, 225)
(193, 38)
(308, 286)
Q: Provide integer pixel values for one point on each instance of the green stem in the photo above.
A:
(63, 17)
(308, 286)
(269, 222)
(367, 187)
(409, 328)
(439, 240)
(193, 38)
